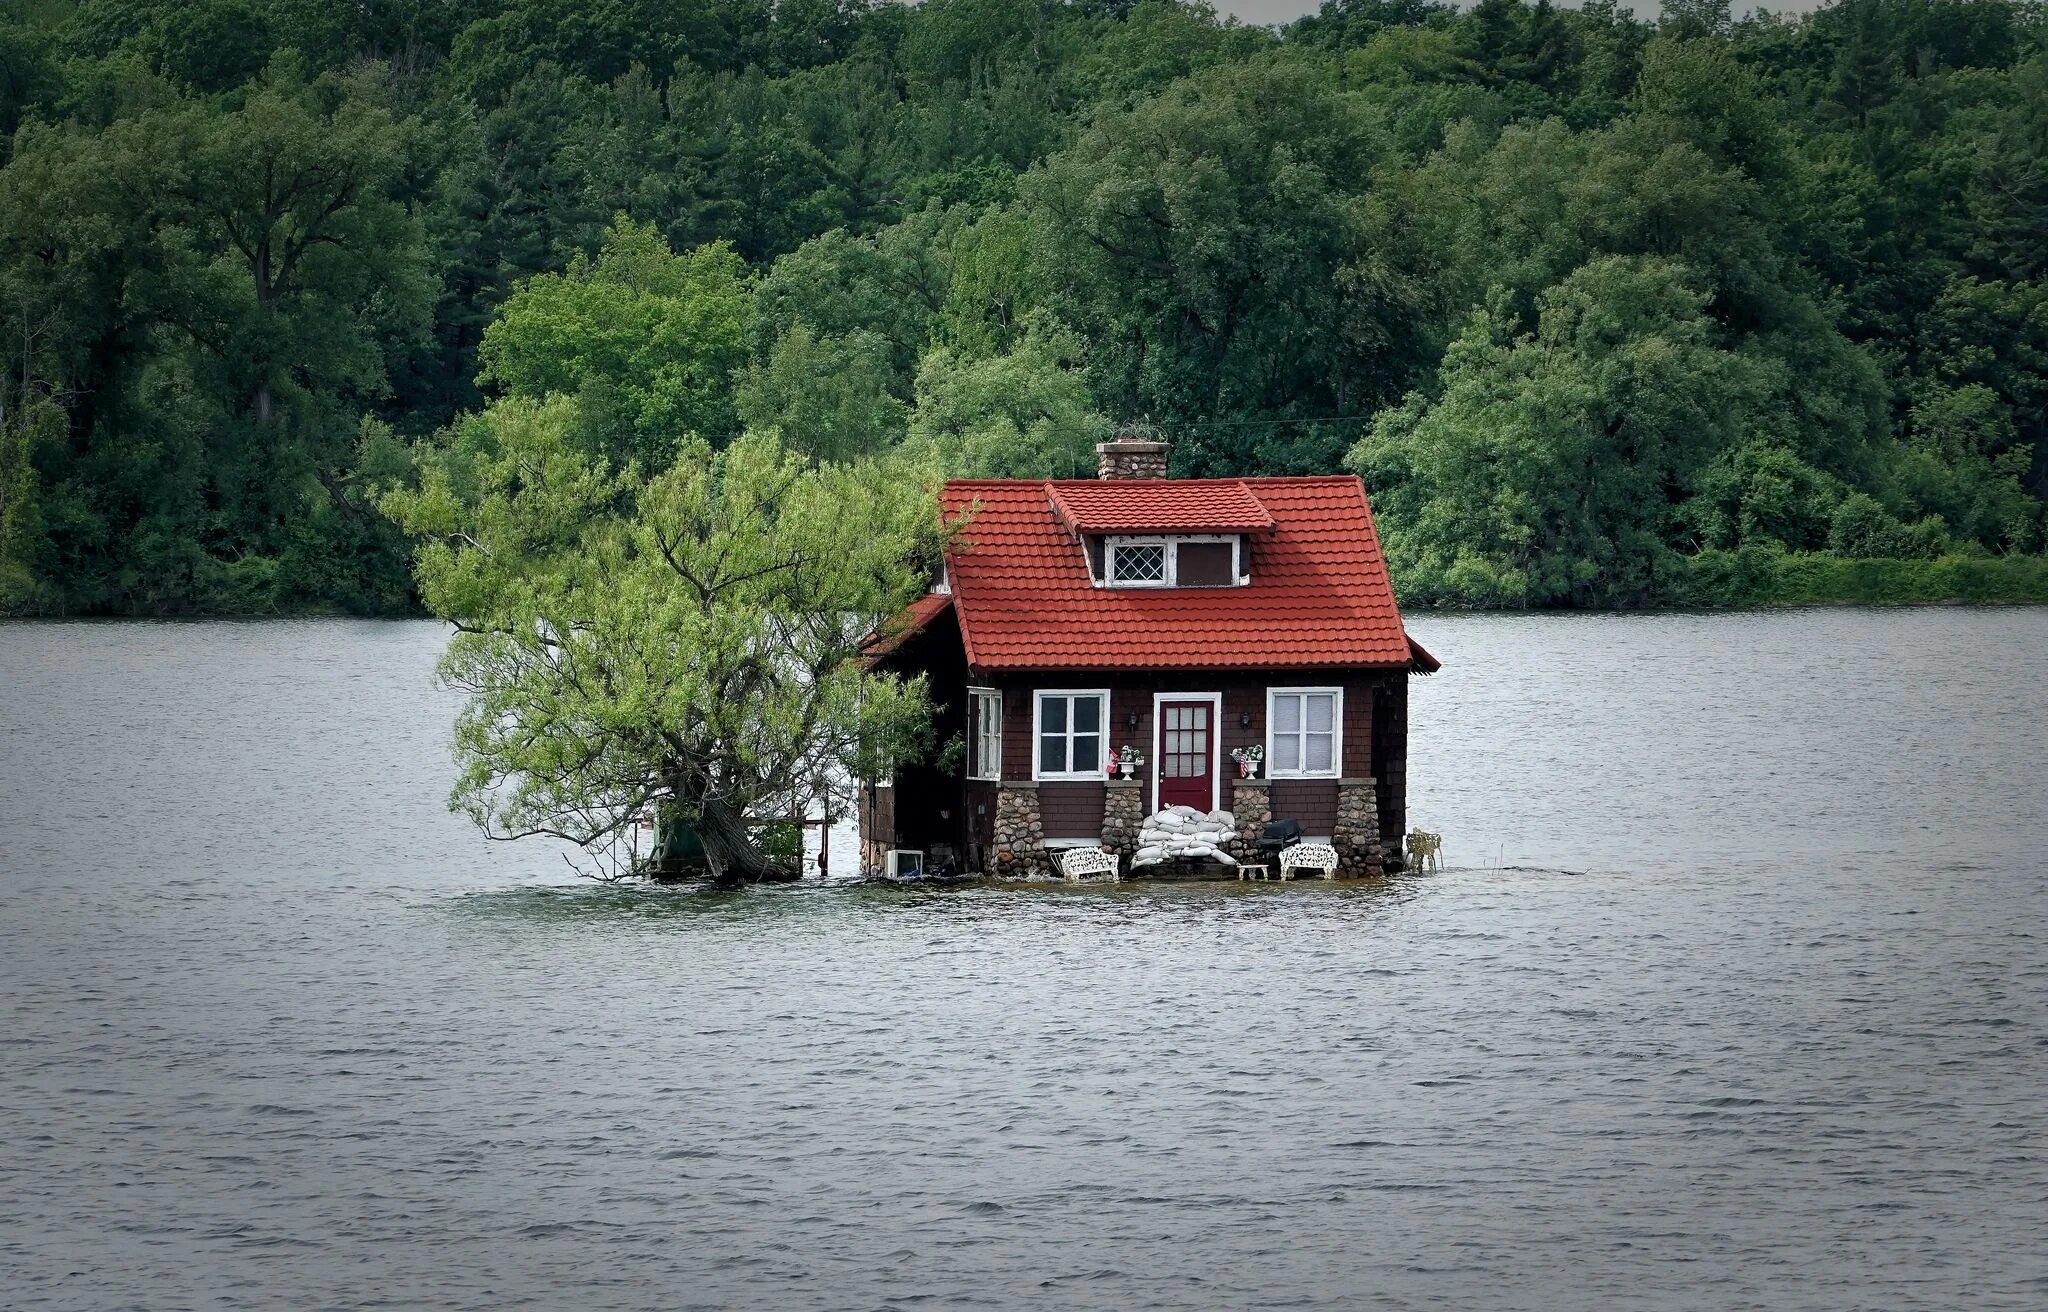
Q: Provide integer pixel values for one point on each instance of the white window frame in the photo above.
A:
(1336, 770)
(1170, 545)
(1110, 547)
(942, 586)
(1101, 767)
(1215, 700)
(984, 749)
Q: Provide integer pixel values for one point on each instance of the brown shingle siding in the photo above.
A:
(1311, 801)
(1071, 810)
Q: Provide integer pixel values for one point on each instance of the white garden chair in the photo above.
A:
(1087, 861)
(1308, 856)
(1425, 850)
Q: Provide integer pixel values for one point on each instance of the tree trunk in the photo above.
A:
(729, 847)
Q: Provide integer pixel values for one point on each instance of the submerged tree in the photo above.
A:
(688, 643)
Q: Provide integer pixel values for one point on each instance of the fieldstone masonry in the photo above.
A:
(1130, 458)
(1251, 801)
(1020, 832)
(1123, 815)
(1358, 828)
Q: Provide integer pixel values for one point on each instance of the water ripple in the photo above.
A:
(1733, 998)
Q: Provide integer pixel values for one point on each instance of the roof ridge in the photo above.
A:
(1248, 480)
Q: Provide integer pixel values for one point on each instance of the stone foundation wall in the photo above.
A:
(1358, 828)
(1020, 832)
(1123, 815)
(1251, 801)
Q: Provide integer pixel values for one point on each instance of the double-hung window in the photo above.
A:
(1301, 731)
(984, 733)
(1070, 730)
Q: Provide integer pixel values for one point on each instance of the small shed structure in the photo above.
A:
(1239, 635)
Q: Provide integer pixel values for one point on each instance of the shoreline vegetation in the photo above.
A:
(1728, 581)
(1608, 313)
(1721, 581)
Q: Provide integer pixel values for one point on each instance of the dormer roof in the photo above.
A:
(1191, 505)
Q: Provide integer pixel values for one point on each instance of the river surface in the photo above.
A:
(1735, 996)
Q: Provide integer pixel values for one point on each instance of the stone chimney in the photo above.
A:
(1136, 451)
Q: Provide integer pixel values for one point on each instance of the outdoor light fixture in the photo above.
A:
(1130, 719)
(1244, 719)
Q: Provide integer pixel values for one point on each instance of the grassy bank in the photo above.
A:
(1721, 579)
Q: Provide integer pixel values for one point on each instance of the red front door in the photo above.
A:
(1187, 770)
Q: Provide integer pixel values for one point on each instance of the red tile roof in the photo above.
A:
(1319, 595)
(1159, 505)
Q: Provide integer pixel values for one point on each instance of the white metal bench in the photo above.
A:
(1087, 861)
(1308, 856)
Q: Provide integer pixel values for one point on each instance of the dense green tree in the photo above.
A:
(1022, 414)
(828, 397)
(1210, 247)
(890, 284)
(1552, 466)
(250, 251)
(645, 339)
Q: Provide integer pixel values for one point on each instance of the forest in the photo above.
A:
(1607, 312)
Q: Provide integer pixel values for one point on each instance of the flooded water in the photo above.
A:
(1735, 996)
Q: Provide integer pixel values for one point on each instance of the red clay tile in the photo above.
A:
(1190, 505)
(1319, 595)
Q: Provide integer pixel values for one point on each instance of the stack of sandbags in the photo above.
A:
(1181, 833)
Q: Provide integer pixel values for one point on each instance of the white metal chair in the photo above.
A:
(1087, 861)
(1308, 856)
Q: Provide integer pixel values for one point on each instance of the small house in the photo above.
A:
(1234, 640)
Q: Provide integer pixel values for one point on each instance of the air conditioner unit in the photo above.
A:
(905, 862)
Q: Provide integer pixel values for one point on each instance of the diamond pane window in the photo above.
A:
(1138, 562)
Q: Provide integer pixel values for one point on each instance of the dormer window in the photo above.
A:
(1138, 562)
(1199, 561)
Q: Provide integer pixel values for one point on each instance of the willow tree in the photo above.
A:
(687, 643)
